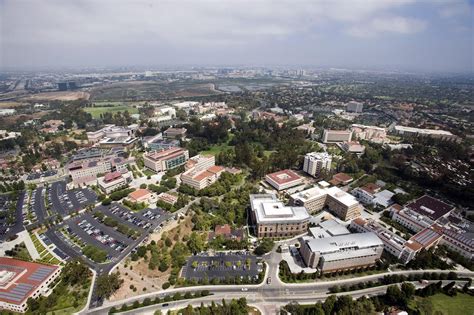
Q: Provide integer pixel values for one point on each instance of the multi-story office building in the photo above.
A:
(433, 133)
(317, 162)
(284, 179)
(314, 199)
(336, 136)
(111, 182)
(175, 133)
(393, 244)
(273, 219)
(422, 213)
(159, 161)
(354, 107)
(112, 131)
(201, 178)
(331, 252)
(21, 280)
(369, 133)
(84, 172)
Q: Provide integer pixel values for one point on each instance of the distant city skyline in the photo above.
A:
(404, 35)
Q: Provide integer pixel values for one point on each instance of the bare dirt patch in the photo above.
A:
(136, 274)
(60, 96)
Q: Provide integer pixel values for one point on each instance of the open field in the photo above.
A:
(446, 305)
(8, 104)
(60, 96)
(146, 90)
(215, 150)
(96, 111)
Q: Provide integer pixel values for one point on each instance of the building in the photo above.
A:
(340, 179)
(111, 182)
(317, 162)
(334, 251)
(159, 161)
(433, 133)
(227, 232)
(273, 219)
(352, 147)
(112, 132)
(140, 195)
(84, 172)
(21, 280)
(201, 178)
(200, 162)
(175, 133)
(393, 243)
(366, 193)
(284, 179)
(422, 213)
(307, 128)
(336, 136)
(168, 198)
(354, 107)
(157, 143)
(314, 199)
(369, 133)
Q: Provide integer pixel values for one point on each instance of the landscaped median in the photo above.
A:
(169, 298)
(45, 255)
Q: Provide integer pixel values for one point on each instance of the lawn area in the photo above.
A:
(446, 305)
(96, 111)
(215, 150)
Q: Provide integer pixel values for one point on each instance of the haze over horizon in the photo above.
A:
(386, 34)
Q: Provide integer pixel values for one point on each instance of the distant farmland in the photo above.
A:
(144, 90)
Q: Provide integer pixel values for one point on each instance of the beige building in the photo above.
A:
(336, 136)
(200, 179)
(314, 199)
(159, 161)
(273, 219)
(111, 182)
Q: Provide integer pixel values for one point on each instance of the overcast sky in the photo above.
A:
(367, 34)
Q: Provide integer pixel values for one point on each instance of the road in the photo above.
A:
(266, 296)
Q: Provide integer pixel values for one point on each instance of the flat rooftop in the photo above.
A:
(19, 279)
(430, 207)
(344, 242)
(268, 209)
(284, 177)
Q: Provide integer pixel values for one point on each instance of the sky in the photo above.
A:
(407, 35)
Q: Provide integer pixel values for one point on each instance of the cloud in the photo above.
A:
(453, 8)
(384, 25)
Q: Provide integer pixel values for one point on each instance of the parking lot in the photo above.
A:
(63, 201)
(11, 215)
(37, 204)
(105, 228)
(222, 266)
(34, 176)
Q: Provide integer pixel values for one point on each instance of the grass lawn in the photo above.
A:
(96, 111)
(446, 305)
(215, 150)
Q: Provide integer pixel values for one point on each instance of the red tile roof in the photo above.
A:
(284, 176)
(139, 193)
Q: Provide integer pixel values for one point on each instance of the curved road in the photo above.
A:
(267, 296)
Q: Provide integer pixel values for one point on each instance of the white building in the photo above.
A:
(434, 133)
(341, 251)
(316, 162)
(342, 204)
(273, 219)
